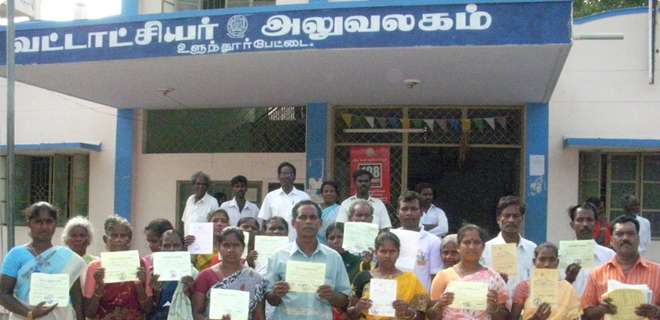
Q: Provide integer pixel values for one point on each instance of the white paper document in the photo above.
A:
(359, 236)
(49, 288)
(266, 245)
(382, 293)
(235, 303)
(120, 266)
(203, 232)
(171, 266)
(409, 247)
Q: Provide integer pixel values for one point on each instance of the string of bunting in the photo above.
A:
(458, 125)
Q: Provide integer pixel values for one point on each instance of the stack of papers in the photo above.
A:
(626, 297)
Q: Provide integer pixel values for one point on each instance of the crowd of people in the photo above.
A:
(431, 288)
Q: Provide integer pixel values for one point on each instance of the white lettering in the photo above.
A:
(435, 22)
(479, 20)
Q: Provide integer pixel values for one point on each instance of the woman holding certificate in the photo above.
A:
(229, 274)
(24, 294)
(408, 301)
(568, 302)
(469, 290)
(220, 220)
(111, 293)
(172, 298)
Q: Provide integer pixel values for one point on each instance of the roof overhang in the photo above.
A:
(43, 149)
(608, 144)
(357, 53)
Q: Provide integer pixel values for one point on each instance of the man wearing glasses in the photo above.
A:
(280, 202)
(200, 204)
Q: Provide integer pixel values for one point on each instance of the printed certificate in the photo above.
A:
(305, 276)
(120, 266)
(382, 293)
(409, 247)
(49, 288)
(505, 259)
(171, 266)
(203, 232)
(578, 251)
(359, 236)
(235, 303)
(544, 285)
(469, 295)
(246, 235)
(626, 300)
(266, 245)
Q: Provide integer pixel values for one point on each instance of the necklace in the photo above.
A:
(34, 251)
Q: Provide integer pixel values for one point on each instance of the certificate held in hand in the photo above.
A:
(505, 259)
(49, 288)
(305, 276)
(544, 285)
(172, 266)
(120, 266)
(469, 295)
(235, 303)
(578, 251)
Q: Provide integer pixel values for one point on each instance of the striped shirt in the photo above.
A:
(643, 272)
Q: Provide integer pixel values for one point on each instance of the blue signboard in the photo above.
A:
(484, 24)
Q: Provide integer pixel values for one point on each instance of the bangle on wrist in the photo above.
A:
(30, 315)
(496, 310)
(97, 294)
(412, 315)
(143, 301)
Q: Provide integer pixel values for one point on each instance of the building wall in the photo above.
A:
(603, 91)
(43, 116)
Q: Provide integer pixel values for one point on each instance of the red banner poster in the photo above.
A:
(377, 161)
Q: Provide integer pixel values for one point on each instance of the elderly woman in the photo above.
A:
(229, 274)
(77, 235)
(40, 256)
(129, 300)
(471, 245)
(449, 251)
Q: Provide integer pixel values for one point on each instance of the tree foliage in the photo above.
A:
(582, 8)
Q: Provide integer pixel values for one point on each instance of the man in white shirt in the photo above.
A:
(280, 202)
(362, 179)
(200, 204)
(428, 261)
(434, 219)
(583, 222)
(631, 208)
(239, 207)
(510, 216)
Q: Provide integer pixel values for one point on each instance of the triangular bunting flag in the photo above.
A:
(347, 118)
(491, 122)
(394, 123)
(442, 123)
(417, 123)
(405, 123)
(467, 125)
(501, 121)
(429, 123)
(455, 125)
(358, 119)
(370, 120)
(382, 122)
(479, 123)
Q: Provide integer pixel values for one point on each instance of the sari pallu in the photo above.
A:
(244, 280)
(56, 260)
(442, 284)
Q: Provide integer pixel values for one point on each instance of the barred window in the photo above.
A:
(272, 129)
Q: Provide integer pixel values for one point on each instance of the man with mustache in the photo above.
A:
(583, 221)
(510, 216)
(628, 267)
(631, 209)
(428, 261)
(239, 207)
(334, 292)
(362, 179)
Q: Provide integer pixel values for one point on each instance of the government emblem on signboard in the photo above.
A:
(236, 26)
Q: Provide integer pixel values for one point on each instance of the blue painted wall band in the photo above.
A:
(537, 123)
(317, 144)
(125, 140)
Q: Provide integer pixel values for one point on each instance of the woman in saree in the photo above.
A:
(40, 256)
(77, 236)
(220, 219)
(471, 245)
(411, 297)
(354, 263)
(449, 251)
(172, 298)
(329, 207)
(569, 306)
(229, 274)
(128, 300)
